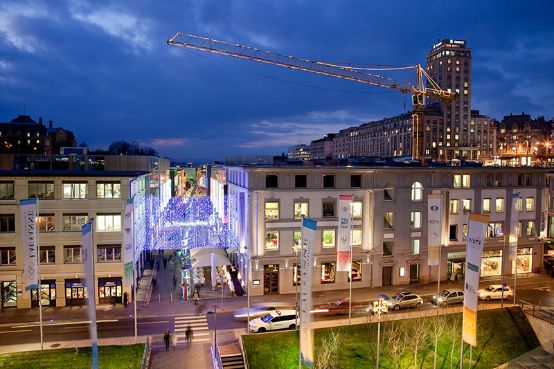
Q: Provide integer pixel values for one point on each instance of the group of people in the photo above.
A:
(167, 337)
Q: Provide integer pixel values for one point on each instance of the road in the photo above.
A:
(23, 333)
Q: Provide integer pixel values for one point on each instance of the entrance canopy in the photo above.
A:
(202, 257)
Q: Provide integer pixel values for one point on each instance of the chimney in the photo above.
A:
(49, 124)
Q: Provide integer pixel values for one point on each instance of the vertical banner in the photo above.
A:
(344, 229)
(475, 242)
(514, 226)
(28, 211)
(309, 228)
(434, 228)
(88, 261)
(128, 231)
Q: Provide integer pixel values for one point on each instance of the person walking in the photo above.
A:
(125, 299)
(188, 334)
(167, 338)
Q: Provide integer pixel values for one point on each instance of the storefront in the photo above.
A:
(456, 264)
(75, 292)
(47, 294)
(491, 263)
(109, 290)
(9, 294)
(524, 260)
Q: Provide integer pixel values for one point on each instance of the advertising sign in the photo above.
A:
(514, 226)
(309, 228)
(475, 242)
(344, 229)
(434, 228)
(28, 211)
(128, 230)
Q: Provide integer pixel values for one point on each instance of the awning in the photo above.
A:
(202, 257)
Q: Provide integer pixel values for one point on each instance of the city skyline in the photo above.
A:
(115, 77)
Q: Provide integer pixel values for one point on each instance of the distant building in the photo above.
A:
(299, 152)
(323, 148)
(250, 160)
(58, 138)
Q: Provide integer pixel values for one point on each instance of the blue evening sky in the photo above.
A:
(103, 68)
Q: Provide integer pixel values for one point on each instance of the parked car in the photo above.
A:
(274, 320)
(373, 306)
(448, 297)
(405, 300)
(258, 310)
(494, 292)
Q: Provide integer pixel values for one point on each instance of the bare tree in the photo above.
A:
(396, 338)
(327, 354)
(438, 327)
(454, 329)
(419, 332)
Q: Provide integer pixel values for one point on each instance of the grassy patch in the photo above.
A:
(503, 334)
(110, 357)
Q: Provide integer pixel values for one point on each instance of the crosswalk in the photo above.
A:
(198, 324)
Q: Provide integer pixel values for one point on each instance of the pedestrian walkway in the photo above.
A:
(198, 324)
(193, 357)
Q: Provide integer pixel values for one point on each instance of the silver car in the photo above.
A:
(404, 301)
(448, 297)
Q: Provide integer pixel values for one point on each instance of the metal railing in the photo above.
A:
(537, 311)
(145, 364)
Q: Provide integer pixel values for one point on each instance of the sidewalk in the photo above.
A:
(197, 356)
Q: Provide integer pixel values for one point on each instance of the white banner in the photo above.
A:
(128, 231)
(88, 261)
(434, 229)
(344, 235)
(28, 212)
(309, 228)
(514, 227)
(475, 241)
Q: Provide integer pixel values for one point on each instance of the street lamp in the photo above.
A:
(379, 307)
(296, 250)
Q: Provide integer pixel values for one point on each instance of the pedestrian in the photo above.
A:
(195, 297)
(188, 334)
(125, 299)
(167, 337)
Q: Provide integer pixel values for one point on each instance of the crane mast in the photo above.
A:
(419, 90)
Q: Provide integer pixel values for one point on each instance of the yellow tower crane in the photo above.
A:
(419, 90)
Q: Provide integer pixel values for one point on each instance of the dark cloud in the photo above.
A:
(103, 69)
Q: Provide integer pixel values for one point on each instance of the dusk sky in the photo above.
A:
(103, 68)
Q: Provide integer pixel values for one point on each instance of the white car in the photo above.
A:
(494, 292)
(274, 320)
(258, 310)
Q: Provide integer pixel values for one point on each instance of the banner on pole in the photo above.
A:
(434, 229)
(28, 212)
(128, 230)
(344, 229)
(88, 261)
(309, 228)
(514, 226)
(475, 241)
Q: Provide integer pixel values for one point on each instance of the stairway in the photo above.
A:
(232, 361)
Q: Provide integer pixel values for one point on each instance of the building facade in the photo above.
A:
(299, 152)
(389, 234)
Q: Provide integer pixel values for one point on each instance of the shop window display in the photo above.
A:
(524, 260)
(328, 272)
(491, 263)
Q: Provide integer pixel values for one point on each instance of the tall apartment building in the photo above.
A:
(389, 234)
(299, 152)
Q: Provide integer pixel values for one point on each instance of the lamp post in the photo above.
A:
(379, 307)
(215, 328)
(296, 250)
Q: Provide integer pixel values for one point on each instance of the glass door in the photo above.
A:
(271, 279)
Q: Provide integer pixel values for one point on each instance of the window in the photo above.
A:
(530, 204)
(47, 254)
(457, 181)
(296, 274)
(108, 222)
(297, 240)
(7, 223)
(272, 240)
(530, 228)
(519, 228)
(47, 223)
(464, 232)
(356, 237)
(356, 271)
(389, 193)
(74, 222)
(7, 256)
(300, 181)
(415, 247)
(328, 272)
(272, 210)
(499, 207)
(415, 219)
(388, 220)
(328, 181)
(417, 191)
(328, 209)
(108, 253)
(486, 205)
(271, 181)
(355, 180)
(328, 238)
(388, 247)
(74, 190)
(454, 205)
(494, 229)
(356, 208)
(41, 190)
(300, 209)
(453, 232)
(466, 181)
(72, 254)
(466, 205)
(6, 190)
(519, 204)
(108, 190)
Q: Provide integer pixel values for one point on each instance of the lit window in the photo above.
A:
(466, 204)
(356, 237)
(388, 219)
(417, 191)
(466, 181)
(271, 210)
(297, 240)
(72, 254)
(494, 229)
(300, 209)
(530, 204)
(356, 209)
(108, 222)
(47, 254)
(328, 238)
(499, 208)
(530, 228)
(415, 247)
(74, 190)
(108, 253)
(454, 206)
(272, 240)
(328, 272)
(464, 231)
(47, 223)
(415, 219)
(356, 271)
(486, 205)
(108, 190)
(74, 222)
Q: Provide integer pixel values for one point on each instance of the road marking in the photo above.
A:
(17, 331)
(198, 324)
(158, 322)
(64, 323)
